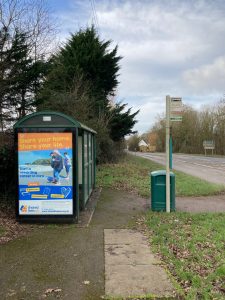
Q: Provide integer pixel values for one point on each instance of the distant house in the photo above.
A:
(143, 146)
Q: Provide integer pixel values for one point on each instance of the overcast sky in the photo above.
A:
(169, 47)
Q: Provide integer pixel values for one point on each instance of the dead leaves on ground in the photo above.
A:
(12, 229)
(192, 250)
(52, 291)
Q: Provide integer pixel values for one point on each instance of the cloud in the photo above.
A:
(209, 78)
(148, 107)
(161, 42)
(174, 47)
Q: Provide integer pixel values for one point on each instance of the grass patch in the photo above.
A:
(132, 174)
(187, 185)
(192, 246)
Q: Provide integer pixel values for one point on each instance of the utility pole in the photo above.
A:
(168, 153)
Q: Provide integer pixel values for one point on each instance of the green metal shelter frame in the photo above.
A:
(84, 150)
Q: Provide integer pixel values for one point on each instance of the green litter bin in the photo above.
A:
(158, 190)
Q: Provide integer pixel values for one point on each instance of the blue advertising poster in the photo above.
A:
(45, 173)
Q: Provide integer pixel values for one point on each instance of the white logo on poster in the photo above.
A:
(33, 208)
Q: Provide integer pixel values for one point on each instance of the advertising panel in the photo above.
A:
(45, 173)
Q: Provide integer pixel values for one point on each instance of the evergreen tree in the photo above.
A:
(83, 77)
(121, 122)
(5, 63)
(84, 55)
(20, 76)
(25, 75)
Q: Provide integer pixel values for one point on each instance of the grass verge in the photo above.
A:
(132, 174)
(192, 247)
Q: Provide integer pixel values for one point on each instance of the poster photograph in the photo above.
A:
(45, 173)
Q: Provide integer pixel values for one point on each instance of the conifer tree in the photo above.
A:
(83, 78)
(25, 75)
(121, 122)
(86, 56)
(20, 76)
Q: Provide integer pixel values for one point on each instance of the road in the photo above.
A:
(208, 168)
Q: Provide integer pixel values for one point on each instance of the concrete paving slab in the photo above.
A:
(139, 280)
(131, 269)
(123, 236)
(125, 254)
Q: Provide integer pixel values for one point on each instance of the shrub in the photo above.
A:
(8, 169)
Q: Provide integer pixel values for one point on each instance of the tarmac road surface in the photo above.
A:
(208, 168)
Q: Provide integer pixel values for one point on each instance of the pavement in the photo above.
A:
(68, 261)
(91, 259)
(214, 204)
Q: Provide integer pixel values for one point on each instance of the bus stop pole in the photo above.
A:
(171, 151)
(167, 153)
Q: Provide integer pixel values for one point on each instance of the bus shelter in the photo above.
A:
(56, 159)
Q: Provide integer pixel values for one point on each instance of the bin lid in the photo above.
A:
(161, 172)
(50, 119)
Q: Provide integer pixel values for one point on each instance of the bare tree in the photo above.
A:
(75, 102)
(196, 126)
(32, 17)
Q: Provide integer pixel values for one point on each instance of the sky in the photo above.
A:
(169, 47)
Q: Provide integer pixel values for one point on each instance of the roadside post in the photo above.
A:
(171, 150)
(174, 111)
(168, 153)
(209, 145)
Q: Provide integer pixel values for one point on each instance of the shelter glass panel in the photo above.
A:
(85, 166)
(90, 163)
